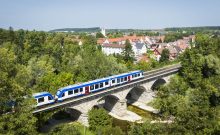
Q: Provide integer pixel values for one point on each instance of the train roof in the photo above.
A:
(123, 74)
(40, 94)
(97, 80)
(82, 84)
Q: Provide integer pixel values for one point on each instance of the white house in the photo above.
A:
(112, 48)
(139, 48)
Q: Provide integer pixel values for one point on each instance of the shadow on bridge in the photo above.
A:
(134, 94)
(110, 102)
(74, 113)
(157, 84)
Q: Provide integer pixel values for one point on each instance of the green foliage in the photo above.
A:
(33, 61)
(51, 82)
(165, 55)
(99, 118)
(192, 97)
(171, 37)
(115, 34)
(128, 53)
(89, 40)
(108, 130)
(21, 122)
(66, 129)
(142, 65)
(149, 128)
(99, 35)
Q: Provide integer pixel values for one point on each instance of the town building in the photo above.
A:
(112, 48)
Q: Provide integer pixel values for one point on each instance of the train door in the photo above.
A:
(87, 90)
(129, 78)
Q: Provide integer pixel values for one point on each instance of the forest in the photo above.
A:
(35, 61)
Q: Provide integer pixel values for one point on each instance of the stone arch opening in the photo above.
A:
(74, 113)
(134, 94)
(110, 102)
(156, 85)
(96, 107)
(61, 114)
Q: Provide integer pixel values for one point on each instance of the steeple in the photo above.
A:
(103, 32)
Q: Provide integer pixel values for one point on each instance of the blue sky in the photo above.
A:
(143, 14)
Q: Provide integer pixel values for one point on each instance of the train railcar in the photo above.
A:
(81, 89)
(69, 92)
(43, 98)
(77, 90)
(126, 77)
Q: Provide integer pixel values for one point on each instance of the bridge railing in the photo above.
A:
(163, 68)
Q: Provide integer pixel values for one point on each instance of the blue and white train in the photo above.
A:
(43, 98)
(86, 88)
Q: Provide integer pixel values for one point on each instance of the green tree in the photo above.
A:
(99, 118)
(192, 97)
(66, 129)
(51, 82)
(108, 130)
(15, 111)
(20, 122)
(99, 35)
(165, 55)
(128, 53)
(11, 35)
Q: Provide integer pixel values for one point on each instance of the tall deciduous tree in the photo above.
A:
(15, 110)
(165, 55)
(128, 53)
(99, 118)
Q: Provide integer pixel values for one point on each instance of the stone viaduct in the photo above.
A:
(115, 99)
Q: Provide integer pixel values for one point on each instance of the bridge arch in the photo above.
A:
(110, 101)
(74, 113)
(135, 93)
(159, 82)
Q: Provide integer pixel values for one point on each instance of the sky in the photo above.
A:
(137, 14)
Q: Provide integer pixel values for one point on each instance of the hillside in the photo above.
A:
(93, 29)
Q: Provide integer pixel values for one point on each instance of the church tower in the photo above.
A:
(103, 32)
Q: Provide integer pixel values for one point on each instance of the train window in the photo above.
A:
(96, 86)
(40, 100)
(118, 80)
(63, 94)
(49, 98)
(76, 91)
(91, 87)
(135, 75)
(70, 92)
(101, 85)
(138, 74)
(106, 83)
(113, 81)
(125, 78)
(81, 89)
(122, 79)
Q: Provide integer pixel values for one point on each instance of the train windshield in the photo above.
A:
(58, 92)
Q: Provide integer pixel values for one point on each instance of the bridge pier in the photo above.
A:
(83, 119)
(120, 108)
